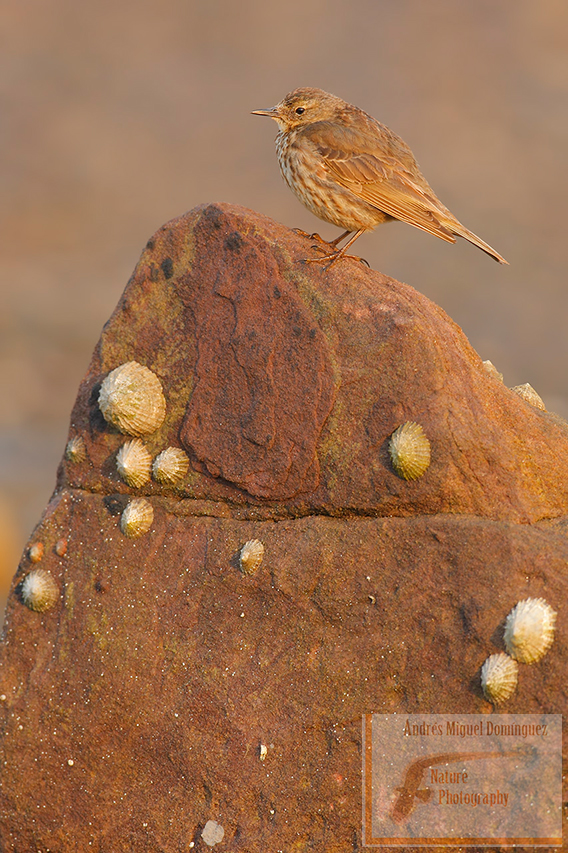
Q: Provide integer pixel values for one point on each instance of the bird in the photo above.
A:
(354, 172)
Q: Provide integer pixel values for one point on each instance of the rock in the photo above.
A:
(134, 708)
(285, 381)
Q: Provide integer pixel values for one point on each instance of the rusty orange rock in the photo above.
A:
(135, 707)
(284, 382)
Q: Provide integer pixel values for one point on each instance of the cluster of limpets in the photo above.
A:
(131, 399)
(134, 464)
(529, 633)
(39, 590)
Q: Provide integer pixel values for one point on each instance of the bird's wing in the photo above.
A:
(386, 178)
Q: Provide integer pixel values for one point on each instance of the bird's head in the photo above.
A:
(302, 107)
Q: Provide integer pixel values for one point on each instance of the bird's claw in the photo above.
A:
(314, 236)
(333, 258)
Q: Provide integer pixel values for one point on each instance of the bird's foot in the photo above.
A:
(336, 256)
(313, 236)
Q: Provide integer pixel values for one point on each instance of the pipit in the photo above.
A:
(353, 171)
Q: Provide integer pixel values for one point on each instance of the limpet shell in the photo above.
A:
(529, 630)
(134, 463)
(35, 552)
(61, 547)
(492, 370)
(213, 833)
(528, 393)
(137, 518)
(251, 556)
(131, 399)
(39, 590)
(409, 450)
(76, 451)
(170, 466)
(499, 677)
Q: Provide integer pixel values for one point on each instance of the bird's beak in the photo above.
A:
(271, 113)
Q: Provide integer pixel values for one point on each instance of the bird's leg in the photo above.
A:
(330, 242)
(335, 256)
(339, 239)
(316, 236)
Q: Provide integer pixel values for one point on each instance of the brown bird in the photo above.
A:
(353, 171)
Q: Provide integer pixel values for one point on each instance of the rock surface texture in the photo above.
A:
(166, 690)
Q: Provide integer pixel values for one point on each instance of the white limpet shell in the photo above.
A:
(137, 518)
(499, 677)
(251, 556)
(39, 591)
(529, 630)
(134, 463)
(131, 399)
(492, 370)
(76, 451)
(262, 751)
(528, 393)
(409, 451)
(213, 833)
(170, 466)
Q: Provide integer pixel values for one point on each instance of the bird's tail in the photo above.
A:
(477, 241)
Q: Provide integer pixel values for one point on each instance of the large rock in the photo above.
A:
(284, 381)
(135, 709)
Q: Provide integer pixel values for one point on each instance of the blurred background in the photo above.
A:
(117, 115)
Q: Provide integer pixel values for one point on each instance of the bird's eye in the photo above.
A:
(300, 110)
